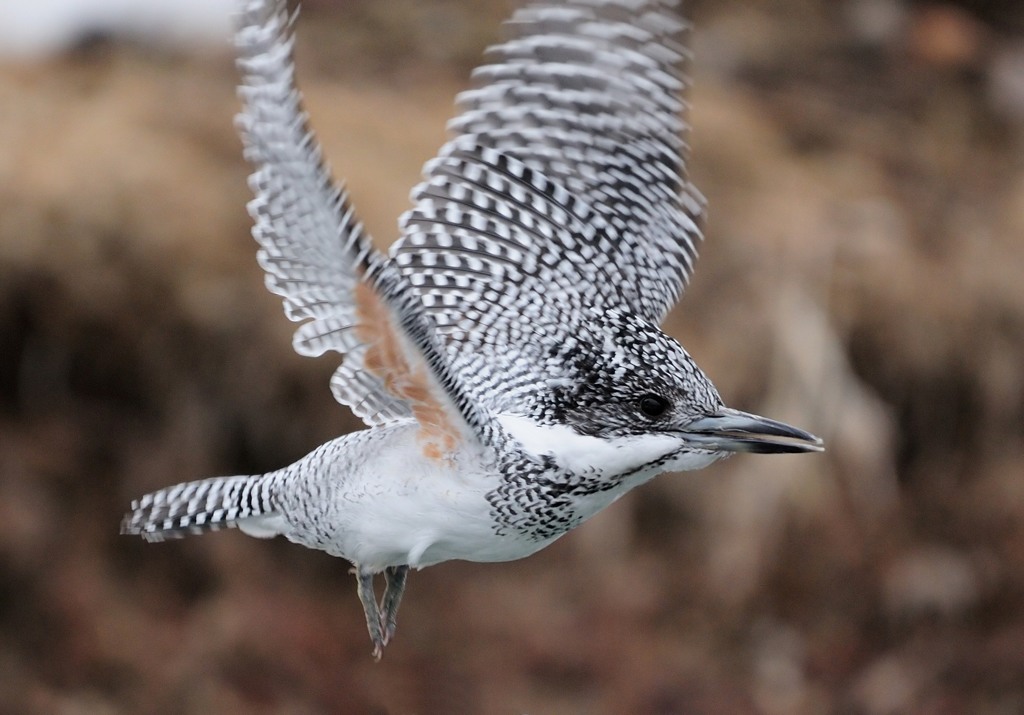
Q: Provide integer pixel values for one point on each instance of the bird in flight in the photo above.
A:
(505, 354)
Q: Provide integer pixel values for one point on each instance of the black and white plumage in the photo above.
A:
(506, 354)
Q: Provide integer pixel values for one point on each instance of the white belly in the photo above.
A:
(373, 498)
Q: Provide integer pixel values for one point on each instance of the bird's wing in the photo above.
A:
(576, 126)
(319, 259)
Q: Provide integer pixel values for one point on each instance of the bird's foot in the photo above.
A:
(364, 587)
(381, 619)
(394, 579)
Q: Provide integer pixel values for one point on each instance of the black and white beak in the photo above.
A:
(730, 430)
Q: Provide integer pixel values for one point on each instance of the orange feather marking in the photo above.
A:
(386, 359)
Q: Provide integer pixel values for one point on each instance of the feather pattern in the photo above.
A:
(320, 260)
(312, 246)
(585, 95)
(563, 195)
(195, 507)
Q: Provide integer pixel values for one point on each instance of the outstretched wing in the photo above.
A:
(577, 122)
(319, 259)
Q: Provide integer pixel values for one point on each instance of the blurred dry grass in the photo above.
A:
(861, 277)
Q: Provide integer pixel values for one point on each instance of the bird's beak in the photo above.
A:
(730, 430)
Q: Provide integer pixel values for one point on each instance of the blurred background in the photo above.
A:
(863, 277)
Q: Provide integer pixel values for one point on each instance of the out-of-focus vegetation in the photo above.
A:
(863, 276)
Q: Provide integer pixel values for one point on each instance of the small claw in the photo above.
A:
(388, 630)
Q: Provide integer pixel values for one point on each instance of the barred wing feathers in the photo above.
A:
(318, 258)
(492, 241)
(586, 94)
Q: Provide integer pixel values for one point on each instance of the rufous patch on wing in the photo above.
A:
(386, 359)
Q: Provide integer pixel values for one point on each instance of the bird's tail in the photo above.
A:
(245, 502)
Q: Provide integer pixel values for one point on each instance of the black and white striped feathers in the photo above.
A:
(562, 196)
(576, 126)
(318, 257)
(205, 505)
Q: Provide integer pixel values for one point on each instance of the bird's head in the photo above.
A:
(622, 395)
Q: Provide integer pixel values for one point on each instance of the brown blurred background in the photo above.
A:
(863, 277)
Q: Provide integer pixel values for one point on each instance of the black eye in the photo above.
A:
(653, 405)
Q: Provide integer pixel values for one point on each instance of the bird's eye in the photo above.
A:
(653, 405)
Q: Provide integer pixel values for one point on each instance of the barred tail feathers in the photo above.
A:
(245, 502)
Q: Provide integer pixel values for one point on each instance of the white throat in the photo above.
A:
(582, 454)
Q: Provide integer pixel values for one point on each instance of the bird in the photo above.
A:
(505, 353)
